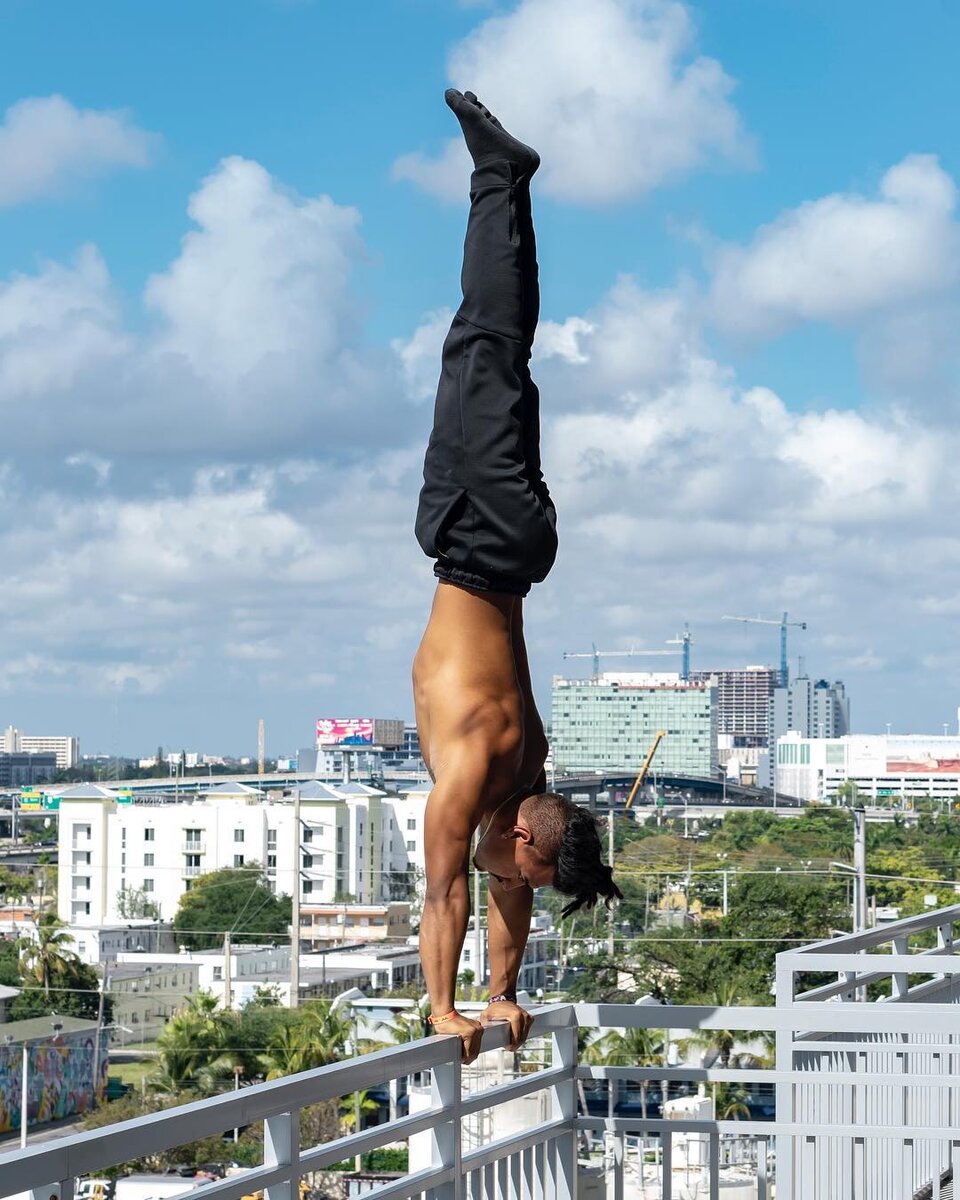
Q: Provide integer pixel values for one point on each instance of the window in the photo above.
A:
(308, 834)
(148, 860)
(148, 885)
(148, 835)
(307, 886)
(271, 862)
(411, 822)
(191, 860)
(218, 974)
(308, 860)
(238, 835)
(192, 835)
(271, 837)
(238, 860)
(411, 845)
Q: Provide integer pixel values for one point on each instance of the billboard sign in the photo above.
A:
(344, 731)
(923, 764)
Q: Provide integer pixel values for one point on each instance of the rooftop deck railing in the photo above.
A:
(866, 1080)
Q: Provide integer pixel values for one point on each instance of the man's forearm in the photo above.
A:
(508, 927)
(443, 927)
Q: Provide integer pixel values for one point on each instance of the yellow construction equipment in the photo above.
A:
(661, 734)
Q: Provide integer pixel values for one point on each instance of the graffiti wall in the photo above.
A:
(59, 1078)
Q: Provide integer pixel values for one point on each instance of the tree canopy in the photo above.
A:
(236, 900)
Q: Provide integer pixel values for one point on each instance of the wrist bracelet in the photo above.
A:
(510, 997)
(432, 1020)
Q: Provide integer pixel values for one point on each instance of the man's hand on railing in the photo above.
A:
(518, 1018)
(469, 1032)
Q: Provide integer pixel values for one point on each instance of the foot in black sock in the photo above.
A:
(486, 138)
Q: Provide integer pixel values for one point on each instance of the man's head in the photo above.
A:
(557, 843)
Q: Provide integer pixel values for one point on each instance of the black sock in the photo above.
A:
(486, 138)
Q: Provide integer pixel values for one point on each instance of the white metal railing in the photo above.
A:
(867, 1099)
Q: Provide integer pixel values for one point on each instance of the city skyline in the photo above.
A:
(224, 277)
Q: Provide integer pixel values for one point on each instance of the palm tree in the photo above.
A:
(730, 1101)
(357, 1102)
(196, 1050)
(632, 1048)
(47, 958)
(718, 1042)
(316, 1039)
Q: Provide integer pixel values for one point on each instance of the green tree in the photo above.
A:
(232, 897)
(316, 1038)
(730, 1101)
(195, 1049)
(631, 1048)
(47, 958)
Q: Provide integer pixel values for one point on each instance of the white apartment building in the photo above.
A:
(881, 766)
(118, 857)
(65, 747)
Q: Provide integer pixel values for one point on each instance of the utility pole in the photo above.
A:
(295, 908)
(96, 1044)
(725, 904)
(610, 940)
(261, 750)
(24, 1094)
(227, 973)
(860, 866)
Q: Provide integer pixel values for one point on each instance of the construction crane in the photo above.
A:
(596, 655)
(783, 623)
(638, 783)
(261, 747)
(683, 639)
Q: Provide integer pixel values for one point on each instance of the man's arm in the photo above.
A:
(446, 907)
(508, 927)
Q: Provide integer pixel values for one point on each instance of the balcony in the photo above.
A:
(193, 848)
(867, 1100)
(191, 872)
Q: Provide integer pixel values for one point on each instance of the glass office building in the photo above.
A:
(610, 724)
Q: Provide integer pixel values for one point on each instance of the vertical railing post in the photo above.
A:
(901, 945)
(785, 1157)
(281, 1148)
(563, 1101)
(445, 1132)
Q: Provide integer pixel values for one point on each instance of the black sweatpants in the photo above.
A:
(485, 513)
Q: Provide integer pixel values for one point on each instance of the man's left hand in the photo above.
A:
(518, 1018)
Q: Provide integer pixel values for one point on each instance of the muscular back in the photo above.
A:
(469, 702)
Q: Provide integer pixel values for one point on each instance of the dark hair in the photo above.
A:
(570, 839)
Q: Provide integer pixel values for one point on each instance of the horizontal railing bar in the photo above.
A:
(319, 1157)
(844, 1018)
(878, 1047)
(515, 1144)
(885, 964)
(829, 990)
(763, 1075)
(878, 936)
(500, 1093)
(759, 1129)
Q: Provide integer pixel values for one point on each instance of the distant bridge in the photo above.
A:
(675, 790)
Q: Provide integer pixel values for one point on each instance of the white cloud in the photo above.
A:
(262, 284)
(845, 256)
(255, 344)
(46, 144)
(611, 93)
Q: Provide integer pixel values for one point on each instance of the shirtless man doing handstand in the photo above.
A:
(486, 516)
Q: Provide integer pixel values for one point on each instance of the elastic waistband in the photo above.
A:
(481, 583)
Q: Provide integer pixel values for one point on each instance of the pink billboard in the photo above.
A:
(344, 731)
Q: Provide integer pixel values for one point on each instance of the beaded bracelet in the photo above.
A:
(432, 1020)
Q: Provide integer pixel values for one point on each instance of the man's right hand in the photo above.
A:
(469, 1033)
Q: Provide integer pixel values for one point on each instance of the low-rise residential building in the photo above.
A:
(99, 944)
(146, 995)
(338, 924)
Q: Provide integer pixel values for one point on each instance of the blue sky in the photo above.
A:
(167, 417)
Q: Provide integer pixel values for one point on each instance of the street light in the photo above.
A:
(25, 1075)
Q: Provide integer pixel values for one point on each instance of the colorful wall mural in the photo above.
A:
(59, 1077)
